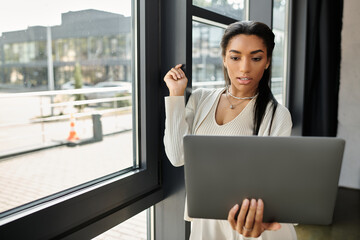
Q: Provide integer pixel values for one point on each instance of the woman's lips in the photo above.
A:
(244, 80)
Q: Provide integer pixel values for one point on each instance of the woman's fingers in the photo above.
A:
(181, 72)
(170, 75)
(271, 226)
(249, 223)
(178, 71)
(242, 215)
(176, 81)
(231, 216)
(175, 73)
(258, 227)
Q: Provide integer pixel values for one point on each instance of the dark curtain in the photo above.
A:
(323, 54)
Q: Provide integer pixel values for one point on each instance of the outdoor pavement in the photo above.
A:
(31, 176)
(28, 177)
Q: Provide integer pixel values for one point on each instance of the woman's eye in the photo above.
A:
(257, 59)
(234, 58)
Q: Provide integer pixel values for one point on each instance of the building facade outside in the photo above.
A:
(99, 42)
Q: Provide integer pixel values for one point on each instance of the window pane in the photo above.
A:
(54, 140)
(134, 228)
(279, 55)
(231, 8)
(207, 62)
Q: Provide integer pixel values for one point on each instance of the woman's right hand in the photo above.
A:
(176, 81)
(249, 222)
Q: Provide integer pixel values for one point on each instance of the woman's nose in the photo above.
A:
(245, 65)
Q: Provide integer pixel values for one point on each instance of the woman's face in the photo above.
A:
(245, 60)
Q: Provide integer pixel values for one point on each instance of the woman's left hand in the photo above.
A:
(249, 222)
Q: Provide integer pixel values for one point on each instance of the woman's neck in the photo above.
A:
(242, 92)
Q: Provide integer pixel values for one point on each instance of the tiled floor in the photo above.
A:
(346, 222)
(132, 229)
(31, 176)
(35, 175)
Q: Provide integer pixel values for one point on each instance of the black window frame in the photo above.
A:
(176, 36)
(177, 31)
(88, 210)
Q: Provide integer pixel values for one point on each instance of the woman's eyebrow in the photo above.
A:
(256, 51)
(253, 52)
(235, 51)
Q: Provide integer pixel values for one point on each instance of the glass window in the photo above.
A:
(231, 8)
(279, 60)
(134, 228)
(206, 56)
(51, 141)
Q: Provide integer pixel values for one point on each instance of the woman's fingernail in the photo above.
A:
(246, 202)
(253, 202)
(235, 206)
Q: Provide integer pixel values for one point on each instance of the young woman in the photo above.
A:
(245, 106)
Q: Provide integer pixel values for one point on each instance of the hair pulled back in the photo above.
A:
(265, 95)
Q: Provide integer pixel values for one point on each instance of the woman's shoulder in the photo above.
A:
(281, 108)
(281, 113)
(202, 93)
(203, 97)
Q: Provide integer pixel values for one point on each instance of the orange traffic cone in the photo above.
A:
(72, 135)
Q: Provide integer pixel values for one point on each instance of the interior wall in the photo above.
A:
(349, 95)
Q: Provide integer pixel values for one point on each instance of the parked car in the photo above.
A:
(124, 88)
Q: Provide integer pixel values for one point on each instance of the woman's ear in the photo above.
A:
(224, 62)
(268, 63)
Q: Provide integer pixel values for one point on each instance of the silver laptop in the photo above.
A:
(297, 177)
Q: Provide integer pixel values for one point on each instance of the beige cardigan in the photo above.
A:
(181, 120)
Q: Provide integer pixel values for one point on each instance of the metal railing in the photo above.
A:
(36, 120)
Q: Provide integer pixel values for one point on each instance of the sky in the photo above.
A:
(19, 14)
